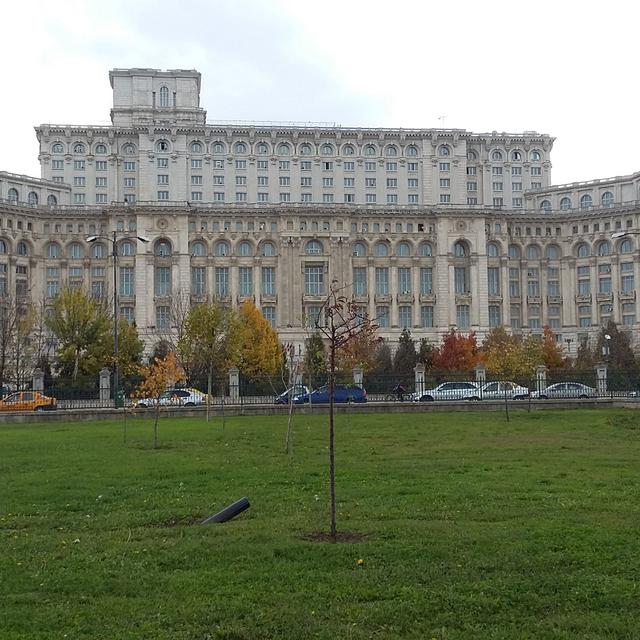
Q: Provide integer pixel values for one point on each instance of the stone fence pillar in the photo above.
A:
(37, 380)
(105, 385)
(481, 374)
(418, 372)
(601, 378)
(541, 378)
(234, 383)
(358, 375)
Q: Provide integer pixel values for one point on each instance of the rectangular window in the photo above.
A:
(196, 164)
(514, 283)
(129, 183)
(284, 181)
(515, 314)
(245, 286)
(536, 171)
(412, 198)
(392, 183)
(196, 195)
(101, 198)
(79, 198)
(162, 281)
(163, 178)
(101, 165)
(471, 171)
(327, 197)
(241, 181)
(305, 165)
(584, 315)
(626, 277)
(359, 281)
(241, 164)
(127, 284)
(370, 198)
(78, 165)
(369, 166)
(268, 281)
(404, 280)
(349, 182)
(195, 180)
(426, 316)
(497, 186)
(495, 315)
(445, 198)
(269, 314)
(163, 195)
(284, 165)
(58, 165)
(493, 281)
(404, 317)
(534, 316)
(445, 183)
(127, 313)
(496, 171)
(629, 313)
(263, 197)
(382, 280)
(222, 282)
(285, 196)
(382, 317)
(426, 280)
(370, 182)
(445, 166)
(349, 166)
(412, 183)
(306, 197)
(533, 282)
(101, 182)
(584, 281)
(327, 165)
(461, 279)
(516, 186)
(553, 281)
(198, 281)
(516, 171)
(314, 280)
(79, 181)
(163, 317)
(162, 163)
(472, 186)
(241, 196)
(462, 316)
(392, 198)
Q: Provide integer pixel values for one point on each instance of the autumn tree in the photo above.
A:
(551, 351)
(211, 339)
(130, 350)
(315, 358)
(426, 354)
(458, 352)
(79, 324)
(502, 355)
(405, 357)
(158, 377)
(259, 350)
(359, 352)
(382, 360)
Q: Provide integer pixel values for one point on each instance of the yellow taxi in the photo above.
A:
(28, 401)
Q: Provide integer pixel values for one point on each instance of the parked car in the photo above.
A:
(450, 391)
(174, 397)
(297, 390)
(28, 401)
(503, 389)
(341, 393)
(566, 390)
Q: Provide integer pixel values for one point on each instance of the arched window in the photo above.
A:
(327, 150)
(348, 150)
(313, 246)
(492, 250)
(626, 246)
(472, 155)
(57, 147)
(565, 204)
(198, 249)
(533, 252)
(586, 201)
(381, 249)
(262, 149)
(3, 246)
(545, 206)
(516, 156)
(196, 147)
(514, 252)
(535, 156)
(127, 248)
(222, 248)
(75, 251)
(284, 149)
(245, 248)
(240, 147)
(52, 201)
(370, 150)
(607, 199)
(412, 151)
(359, 250)
(268, 249)
(52, 250)
(164, 97)
(32, 198)
(391, 151)
(162, 248)
(604, 248)
(22, 249)
(306, 149)
(552, 252)
(101, 150)
(12, 195)
(582, 250)
(129, 149)
(404, 249)
(98, 250)
(444, 151)
(218, 148)
(78, 147)
(162, 146)
(496, 156)
(460, 250)
(425, 250)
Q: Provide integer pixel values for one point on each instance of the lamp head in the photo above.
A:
(91, 238)
(618, 234)
(142, 239)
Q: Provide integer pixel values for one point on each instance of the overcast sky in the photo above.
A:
(568, 68)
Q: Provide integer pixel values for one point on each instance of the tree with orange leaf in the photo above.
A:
(458, 352)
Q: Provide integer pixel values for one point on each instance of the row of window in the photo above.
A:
(13, 195)
(586, 201)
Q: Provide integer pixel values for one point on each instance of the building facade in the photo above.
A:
(428, 229)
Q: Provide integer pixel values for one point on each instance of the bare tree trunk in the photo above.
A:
(155, 426)
(209, 390)
(332, 463)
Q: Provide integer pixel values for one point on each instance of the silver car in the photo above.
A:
(566, 390)
(450, 391)
(504, 389)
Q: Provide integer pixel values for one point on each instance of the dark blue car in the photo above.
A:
(341, 393)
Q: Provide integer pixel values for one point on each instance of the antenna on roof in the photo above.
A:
(442, 119)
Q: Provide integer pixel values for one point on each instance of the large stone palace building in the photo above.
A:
(427, 228)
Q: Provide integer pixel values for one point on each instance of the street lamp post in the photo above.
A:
(114, 253)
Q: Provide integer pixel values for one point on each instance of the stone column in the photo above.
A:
(357, 376)
(105, 385)
(37, 380)
(234, 383)
(418, 372)
(541, 378)
(601, 378)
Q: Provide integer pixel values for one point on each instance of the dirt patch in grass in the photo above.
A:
(341, 536)
(180, 521)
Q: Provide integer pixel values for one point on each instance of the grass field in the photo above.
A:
(474, 528)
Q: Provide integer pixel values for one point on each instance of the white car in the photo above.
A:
(504, 389)
(465, 390)
(174, 398)
(566, 390)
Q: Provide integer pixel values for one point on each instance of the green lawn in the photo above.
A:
(475, 528)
